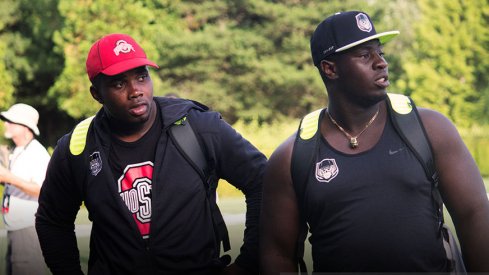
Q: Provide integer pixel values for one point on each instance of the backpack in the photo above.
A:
(406, 121)
(186, 141)
(184, 138)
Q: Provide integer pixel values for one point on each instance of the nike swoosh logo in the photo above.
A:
(393, 152)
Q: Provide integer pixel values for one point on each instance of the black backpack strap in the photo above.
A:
(184, 137)
(409, 126)
(303, 155)
(186, 141)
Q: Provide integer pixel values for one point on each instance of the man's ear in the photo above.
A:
(95, 94)
(329, 69)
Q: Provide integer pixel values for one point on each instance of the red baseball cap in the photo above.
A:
(114, 54)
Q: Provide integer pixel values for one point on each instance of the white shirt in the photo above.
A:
(30, 164)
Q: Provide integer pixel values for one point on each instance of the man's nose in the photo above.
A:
(134, 89)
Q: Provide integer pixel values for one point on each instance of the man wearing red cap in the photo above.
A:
(151, 211)
(369, 204)
(22, 176)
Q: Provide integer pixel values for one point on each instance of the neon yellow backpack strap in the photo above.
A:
(309, 125)
(401, 104)
(79, 136)
(302, 159)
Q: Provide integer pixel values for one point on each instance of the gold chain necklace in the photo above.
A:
(353, 140)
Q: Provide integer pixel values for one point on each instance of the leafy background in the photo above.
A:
(248, 59)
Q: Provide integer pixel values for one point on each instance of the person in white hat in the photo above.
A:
(22, 177)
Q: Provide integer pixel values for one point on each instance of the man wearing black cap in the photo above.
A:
(366, 198)
(152, 211)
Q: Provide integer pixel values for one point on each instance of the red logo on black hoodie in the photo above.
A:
(135, 190)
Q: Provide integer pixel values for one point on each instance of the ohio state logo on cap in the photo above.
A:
(363, 23)
(123, 47)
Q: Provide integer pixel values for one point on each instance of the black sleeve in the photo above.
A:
(59, 202)
(241, 164)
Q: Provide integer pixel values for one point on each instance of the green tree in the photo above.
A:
(6, 85)
(249, 59)
(446, 68)
(8, 17)
(87, 21)
(26, 45)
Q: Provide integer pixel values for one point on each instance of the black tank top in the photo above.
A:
(372, 211)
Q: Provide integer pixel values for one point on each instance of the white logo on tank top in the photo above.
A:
(326, 170)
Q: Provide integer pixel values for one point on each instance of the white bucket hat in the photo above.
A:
(23, 114)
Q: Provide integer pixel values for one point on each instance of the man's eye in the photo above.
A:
(117, 84)
(142, 77)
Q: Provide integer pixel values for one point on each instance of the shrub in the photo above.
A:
(266, 137)
(477, 142)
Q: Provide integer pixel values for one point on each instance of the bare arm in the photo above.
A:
(462, 189)
(280, 216)
(30, 188)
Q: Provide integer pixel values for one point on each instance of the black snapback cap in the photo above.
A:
(342, 31)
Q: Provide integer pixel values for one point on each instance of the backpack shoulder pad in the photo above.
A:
(309, 125)
(79, 136)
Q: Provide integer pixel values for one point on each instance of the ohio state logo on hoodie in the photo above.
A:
(135, 190)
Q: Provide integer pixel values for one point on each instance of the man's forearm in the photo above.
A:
(248, 259)
(30, 188)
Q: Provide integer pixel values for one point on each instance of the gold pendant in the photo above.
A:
(353, 142)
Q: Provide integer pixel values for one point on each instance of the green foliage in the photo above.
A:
(248, 59)
(6, 81)
(266, 137)
(28, 56)
(448, 62)
(7, 16)
(478, 144)
(87, 21)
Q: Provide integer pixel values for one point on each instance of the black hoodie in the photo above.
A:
(182, 239)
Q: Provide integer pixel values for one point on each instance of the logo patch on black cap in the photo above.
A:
(363, 23)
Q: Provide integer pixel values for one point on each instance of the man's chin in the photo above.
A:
(368, 101)
(137, 120)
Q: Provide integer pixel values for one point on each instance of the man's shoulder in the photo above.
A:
(180, 104)
(174, 109)
(38, 148)
(433, 120)
(439, 128)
